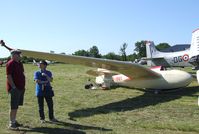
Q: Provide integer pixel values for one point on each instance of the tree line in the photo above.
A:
(137, 53)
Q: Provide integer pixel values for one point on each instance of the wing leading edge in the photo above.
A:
(133, 71)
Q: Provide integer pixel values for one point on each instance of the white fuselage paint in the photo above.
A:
(170, 79)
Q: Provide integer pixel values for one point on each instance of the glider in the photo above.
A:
(128, 74)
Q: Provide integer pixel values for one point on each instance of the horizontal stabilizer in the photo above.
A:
(145, 58)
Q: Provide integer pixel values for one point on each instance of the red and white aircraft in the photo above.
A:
(128, 74)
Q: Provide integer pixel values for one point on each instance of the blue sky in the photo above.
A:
(71, 25)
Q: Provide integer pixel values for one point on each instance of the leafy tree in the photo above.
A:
(81, 53)
(123, 51)
(112, 56)
(25, 59)
(5, 59)
(140, 48)
(94, 52)
(132, 57)
(162, 46)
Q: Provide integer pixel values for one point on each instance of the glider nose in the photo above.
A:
(176, 78)
(187, 78)
(182, 78)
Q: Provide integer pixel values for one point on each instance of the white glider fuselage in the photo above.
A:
(169, 79)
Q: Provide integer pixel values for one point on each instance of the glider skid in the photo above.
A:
(102, 81)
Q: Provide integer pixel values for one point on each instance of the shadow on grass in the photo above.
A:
(69, 128)
(82, 127)
(147, 99)
(47, 130)
(193, 74)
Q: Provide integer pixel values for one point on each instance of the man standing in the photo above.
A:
(44, 90)
(15, 85)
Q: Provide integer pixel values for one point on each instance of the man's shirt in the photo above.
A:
(42, 89)
(16, 70)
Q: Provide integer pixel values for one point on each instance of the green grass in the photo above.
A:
(116, 111)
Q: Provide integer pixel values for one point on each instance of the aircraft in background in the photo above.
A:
(186, 58)
(35, 63)
(1, 63)
(128, 74)
(140, 61)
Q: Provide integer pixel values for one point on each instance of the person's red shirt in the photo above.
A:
(16, 70)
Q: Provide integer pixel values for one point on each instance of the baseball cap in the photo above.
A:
(43, 62)
(15, 51)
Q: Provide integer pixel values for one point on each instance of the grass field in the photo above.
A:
(116, 111)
